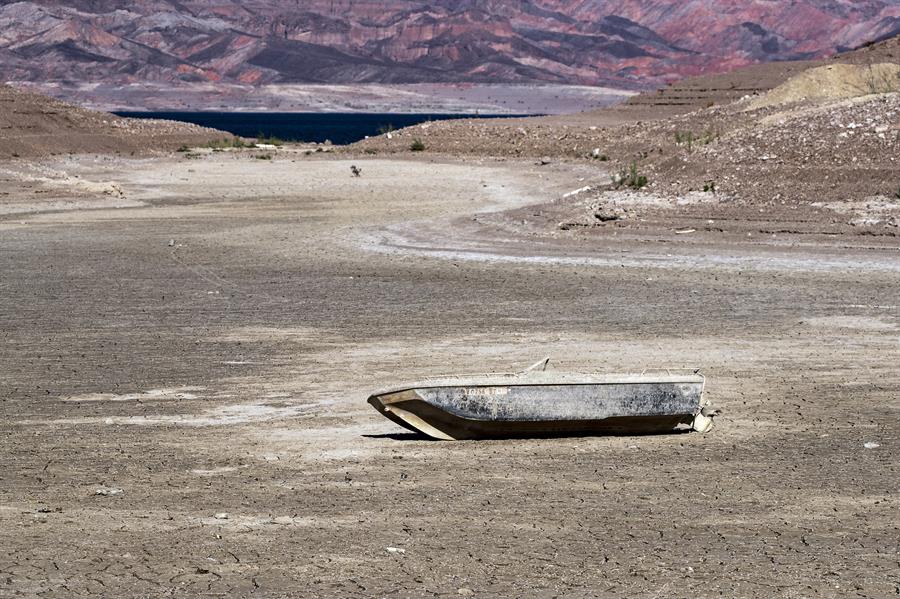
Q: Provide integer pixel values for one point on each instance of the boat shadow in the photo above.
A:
(401, 437)
(411, 436)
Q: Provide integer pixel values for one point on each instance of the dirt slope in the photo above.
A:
(762, 146)
(35, 125)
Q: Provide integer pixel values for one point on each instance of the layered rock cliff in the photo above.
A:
(627, 43)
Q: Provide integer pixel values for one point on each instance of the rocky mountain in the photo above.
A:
(625, 44)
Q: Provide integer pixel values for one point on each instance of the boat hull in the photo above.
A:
(519, 407)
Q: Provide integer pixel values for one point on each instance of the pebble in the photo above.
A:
(109, 491)
(871, 445)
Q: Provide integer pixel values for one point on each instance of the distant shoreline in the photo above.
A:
(340, 128)
(422, 98)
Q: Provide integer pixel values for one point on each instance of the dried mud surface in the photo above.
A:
(186, 362)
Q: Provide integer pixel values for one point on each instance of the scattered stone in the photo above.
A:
(871, 445)
(395, 550)
(465, 592)
(109, 491)
(606, 214)
(221, 516)
(171, 243)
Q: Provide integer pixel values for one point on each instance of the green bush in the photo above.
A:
(417, 145)
(689, 138)
(685, 138)
(227, 142)
(629, 177)
(271, 140)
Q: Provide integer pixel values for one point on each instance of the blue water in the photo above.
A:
(340, 128)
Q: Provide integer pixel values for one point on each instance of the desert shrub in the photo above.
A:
(685, 138)
(226, 142)
(709, 186)
(385, 129)
(629, 177)
(263, 157)
(879, 80)
(261, 138)
(689, 138)
(183, 148)
(417, 145)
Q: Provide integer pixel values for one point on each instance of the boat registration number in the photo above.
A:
(485, 391)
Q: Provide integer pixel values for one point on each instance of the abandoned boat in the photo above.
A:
(534, 403)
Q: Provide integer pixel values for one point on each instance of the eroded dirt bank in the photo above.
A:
(204, 342)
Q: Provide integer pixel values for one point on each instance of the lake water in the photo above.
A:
(340, 128)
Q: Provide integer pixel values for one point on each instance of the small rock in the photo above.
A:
(464, 592)
(395, 550)
(606, 215)
(109, 491)
(221, 516)
(871, 445)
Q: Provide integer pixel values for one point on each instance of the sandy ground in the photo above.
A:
(186, 363)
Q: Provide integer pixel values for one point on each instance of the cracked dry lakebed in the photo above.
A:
(186, 359)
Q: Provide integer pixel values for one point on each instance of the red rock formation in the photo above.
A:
(627, 43)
